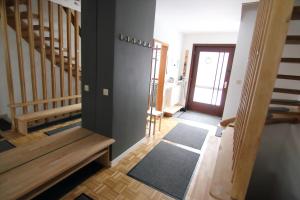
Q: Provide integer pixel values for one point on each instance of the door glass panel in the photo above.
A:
(210, 77)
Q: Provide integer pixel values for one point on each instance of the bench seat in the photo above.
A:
(23, 120)
(47, 163)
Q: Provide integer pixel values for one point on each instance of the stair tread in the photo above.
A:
(287, 91)
(290, 60)
(12, 3)
(285, 102)
(293, 39)
(24, 15)
(296, 13)
(288, 77)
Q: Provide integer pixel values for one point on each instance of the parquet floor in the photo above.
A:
(114, 184)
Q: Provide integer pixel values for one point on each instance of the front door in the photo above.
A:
(209, 78)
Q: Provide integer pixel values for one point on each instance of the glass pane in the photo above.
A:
(210, 77)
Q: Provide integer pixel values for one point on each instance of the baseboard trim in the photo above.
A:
(125, 153)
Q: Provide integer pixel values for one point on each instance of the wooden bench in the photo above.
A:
(28, 170)
(23, 120)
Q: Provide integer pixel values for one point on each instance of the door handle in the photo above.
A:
(225, 85)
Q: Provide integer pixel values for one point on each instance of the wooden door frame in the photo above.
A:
(192, 71)
(161, 77)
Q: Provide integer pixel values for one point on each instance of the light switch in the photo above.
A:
(86, 88)
(105, 92)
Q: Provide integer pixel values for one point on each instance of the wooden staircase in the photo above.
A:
(292, 105)
(40, 31)
(49, 34)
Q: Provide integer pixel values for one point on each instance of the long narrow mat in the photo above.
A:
(190, 136)
(167, 168)
(61, 129)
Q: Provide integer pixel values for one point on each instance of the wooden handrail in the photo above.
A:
(44, 101)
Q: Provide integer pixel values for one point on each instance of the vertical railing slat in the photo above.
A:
(31, 54)
(76, 36)
(70, 74)
(9, 78)
(43, 52)
(52, 52)
(20, 55)
(61, 53)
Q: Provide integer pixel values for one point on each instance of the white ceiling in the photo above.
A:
(193, 16)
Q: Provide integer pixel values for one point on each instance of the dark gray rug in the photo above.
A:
(167, 168)
(83, 196)
(198, 117)
(187, 135)
(5, 146)
(58, 130)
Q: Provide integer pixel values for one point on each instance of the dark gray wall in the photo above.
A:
(131, 72)
(89, 62)
(276, 174)
(121, 67)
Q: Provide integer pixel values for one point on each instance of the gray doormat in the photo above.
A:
(198, 117)
(167, 168)
(187, 135)
(58, 130)
(83, 196)
(5, 146)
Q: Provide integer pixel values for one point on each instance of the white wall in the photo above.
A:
(276, 171)
(240, 61)
(174, 39)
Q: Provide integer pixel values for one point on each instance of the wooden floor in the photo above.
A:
(113, 183)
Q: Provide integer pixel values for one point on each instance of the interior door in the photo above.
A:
(209, 78)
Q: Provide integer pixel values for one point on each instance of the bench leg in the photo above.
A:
(22, 127)
(104, 160)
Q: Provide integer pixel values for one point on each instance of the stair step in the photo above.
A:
(293, 39)
(48, 39)
(285, 102)
(37, 28)
(288, 77)
(11, 3)
(290, 60)
(287, 91)
(296, 13)
(293, 120)
(24, 15)
(64, 49)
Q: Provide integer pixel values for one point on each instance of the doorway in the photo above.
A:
(209, 78)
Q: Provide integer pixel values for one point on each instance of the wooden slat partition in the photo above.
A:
(9, 78)
(31, 54)
(43, 52)
(61, 53)
(20, 55)
(265, 55)
(36, 26)
(69, 46)
(76, 36)
(53, 75)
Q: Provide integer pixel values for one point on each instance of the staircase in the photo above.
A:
(43, 34)
(289, 106)
(41, 45)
